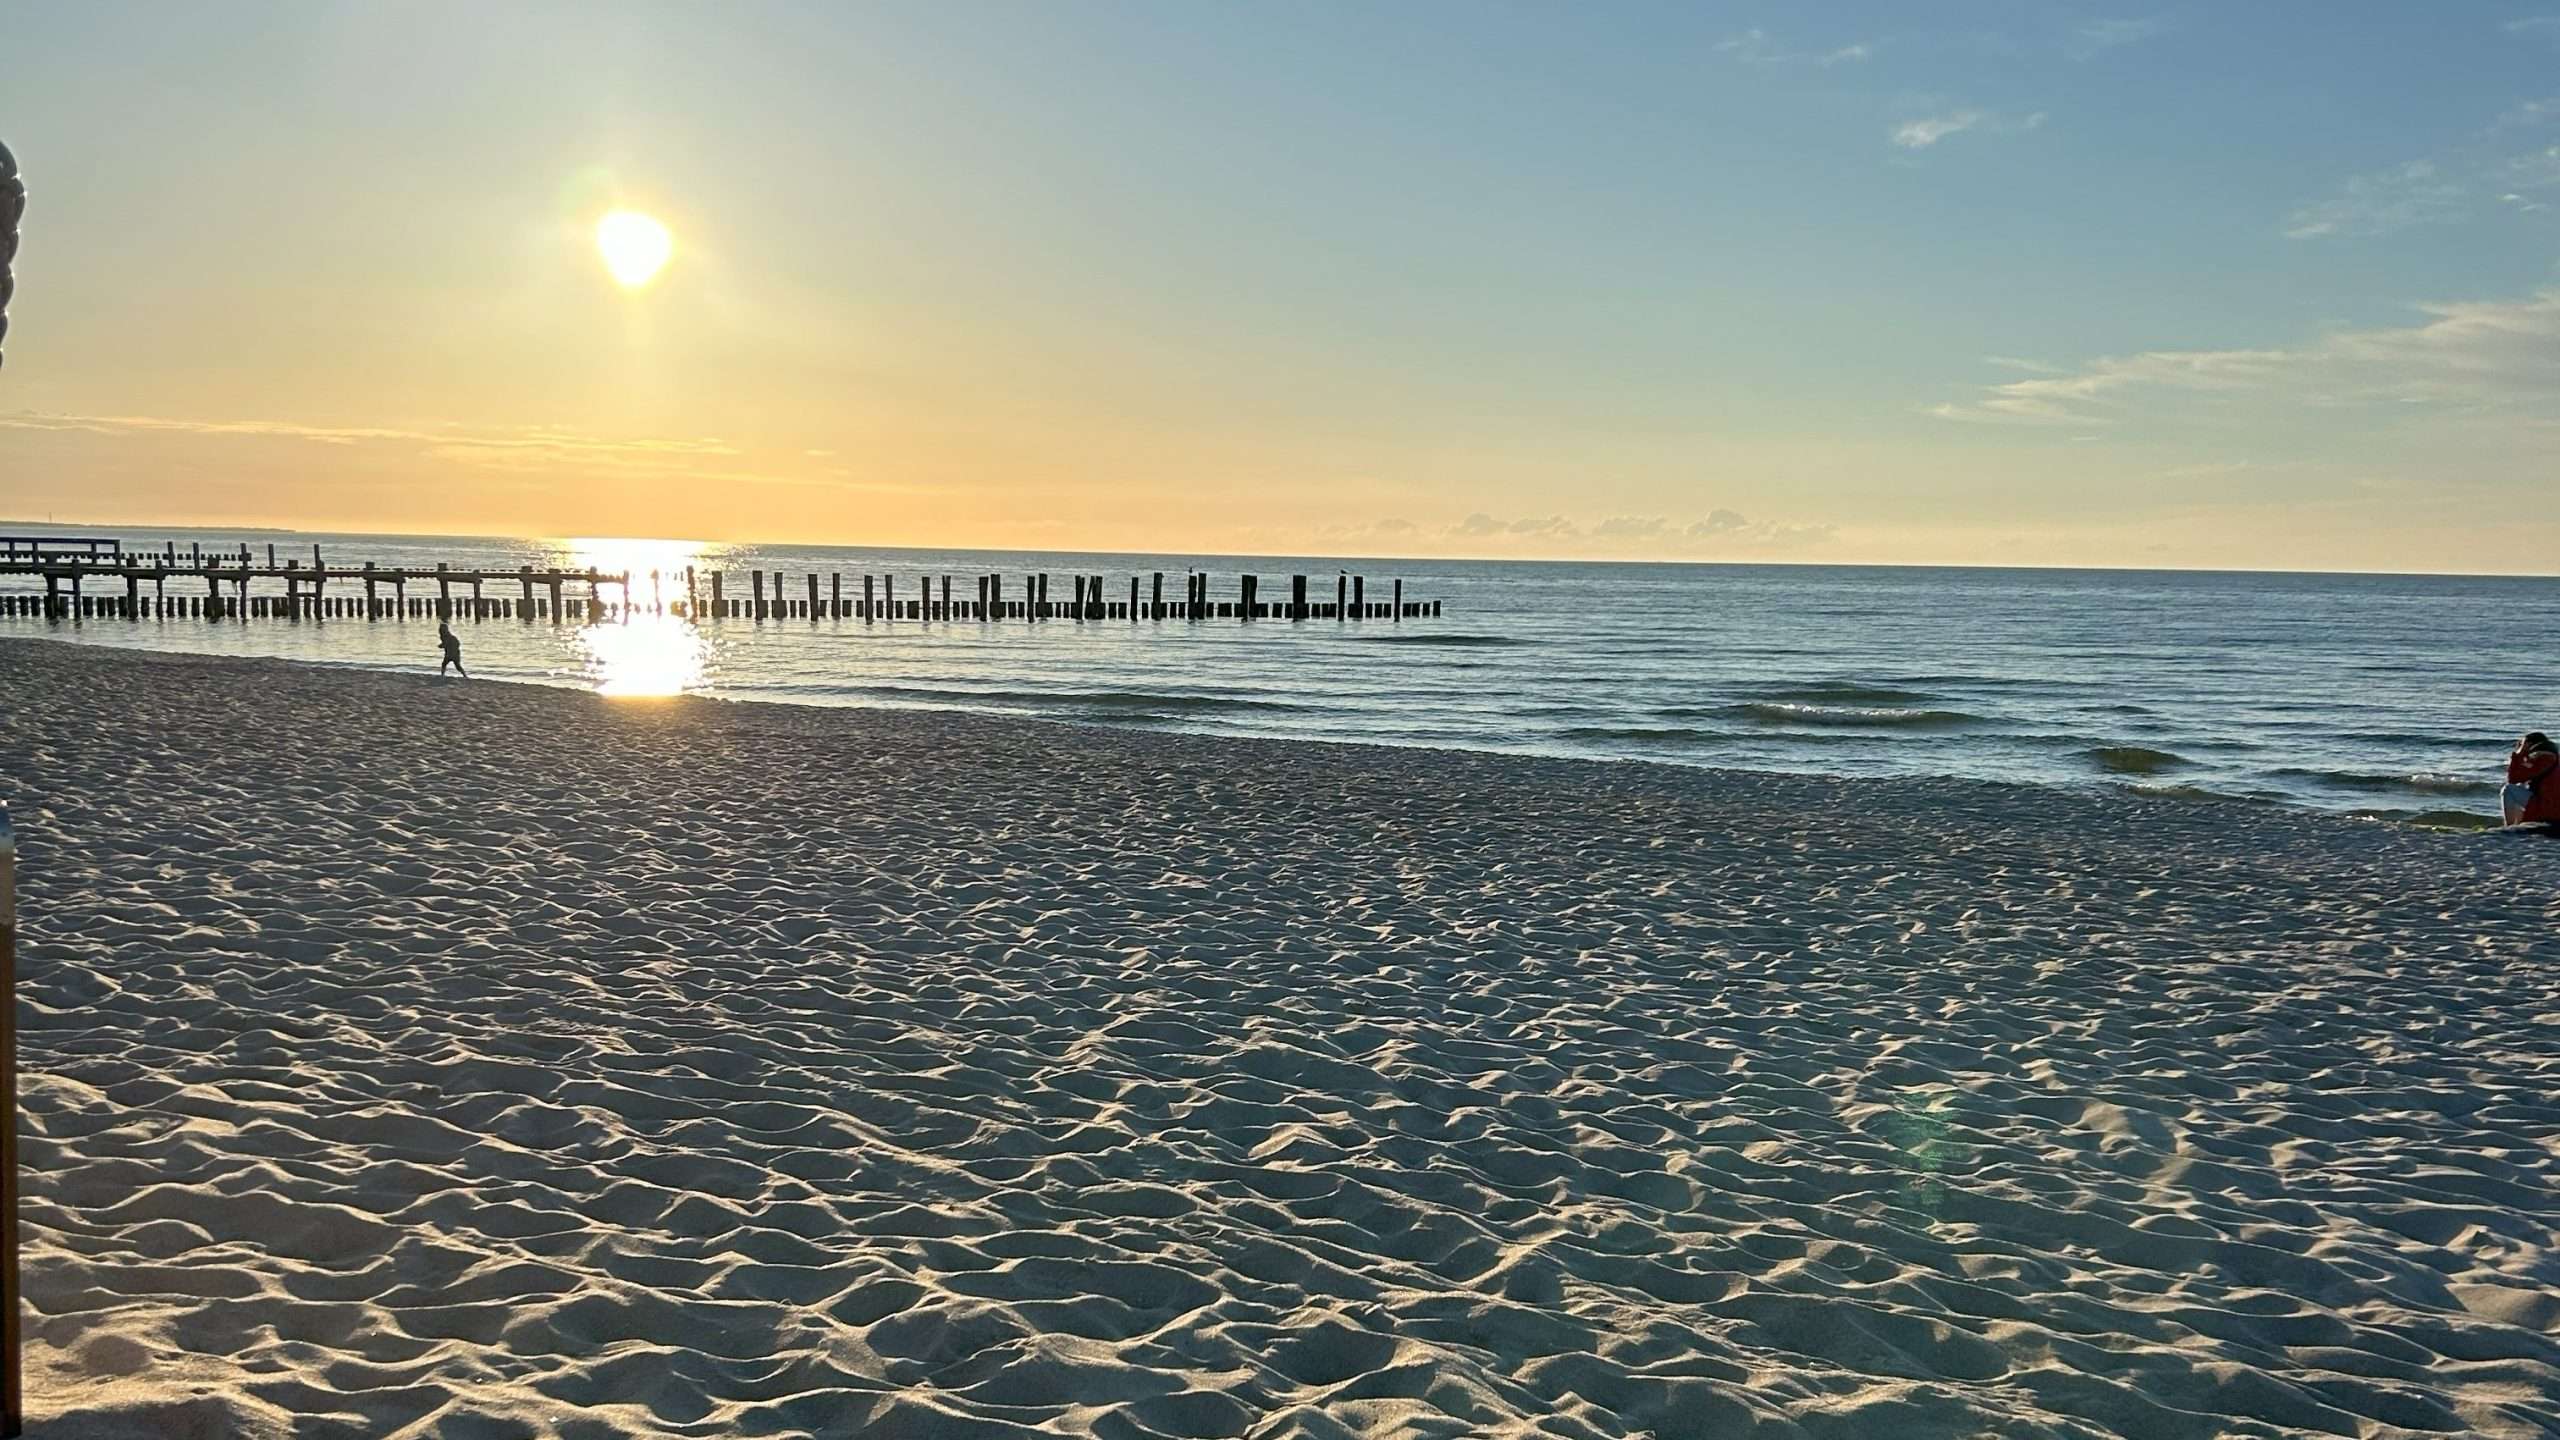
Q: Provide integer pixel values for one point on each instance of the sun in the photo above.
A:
(634, 247)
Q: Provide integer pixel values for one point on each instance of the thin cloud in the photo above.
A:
(2100, 36)
(522, 449)
(1754, 47)
(1720, 530)
(2386, 200)
(2497, 360)
(1929, 130)
(2478, 177)
(1921, 134)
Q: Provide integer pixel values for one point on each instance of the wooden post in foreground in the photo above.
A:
(13, 1407)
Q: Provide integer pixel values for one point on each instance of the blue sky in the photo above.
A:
(2039, 282)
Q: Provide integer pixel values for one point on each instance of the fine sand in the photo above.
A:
(452, 1059)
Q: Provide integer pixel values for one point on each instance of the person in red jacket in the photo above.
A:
(2533, 794)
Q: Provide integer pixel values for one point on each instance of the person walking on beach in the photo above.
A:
(2532, 796)
(452, 644)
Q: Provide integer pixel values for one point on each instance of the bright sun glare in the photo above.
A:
(634, 246)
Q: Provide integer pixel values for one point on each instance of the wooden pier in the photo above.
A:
(98, 579)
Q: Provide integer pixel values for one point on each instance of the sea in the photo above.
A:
(2391, 696)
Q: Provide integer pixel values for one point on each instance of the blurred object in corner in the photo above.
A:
(13, 203)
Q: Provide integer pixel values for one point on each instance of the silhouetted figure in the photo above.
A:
(2532, 795)
(452, 644)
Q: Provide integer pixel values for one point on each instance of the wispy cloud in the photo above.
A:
(2534, 25)
(2096, 37)
(2494, 358)
(1922, 133)
(1754, 47)
(523, 448)
(2416, 193)
(1718, 529)
(2512, 164)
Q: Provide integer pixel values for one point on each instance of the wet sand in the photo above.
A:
(419, 1058)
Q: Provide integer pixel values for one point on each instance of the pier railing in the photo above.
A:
(228, 580)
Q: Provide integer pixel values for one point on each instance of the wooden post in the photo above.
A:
(12, 1391)
(1360, 596)
(692, 597)
(835, 595)
(1155, 602)
(719, 602)
(444, 593)
(476, 611)
(946, 597)
(813, 595)
(132, 595)
(524, 575)
(1399, 600)
(758, 577)
(995, 596)
(867, 601)
(1297, 597)
(1341, 595)
(1133, 599)
(1039, 597)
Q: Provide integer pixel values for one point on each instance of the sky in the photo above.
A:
(1978, 282)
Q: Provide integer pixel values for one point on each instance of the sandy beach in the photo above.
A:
(412, 1058)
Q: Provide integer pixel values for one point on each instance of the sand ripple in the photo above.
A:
(465, 1060)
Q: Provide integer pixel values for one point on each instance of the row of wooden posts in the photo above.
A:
(305, 599)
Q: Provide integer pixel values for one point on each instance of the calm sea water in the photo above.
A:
(2395, 695)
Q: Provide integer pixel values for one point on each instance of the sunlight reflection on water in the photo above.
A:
(649, 652)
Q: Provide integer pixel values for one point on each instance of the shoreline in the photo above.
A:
(2117, 785)
(451, 1059)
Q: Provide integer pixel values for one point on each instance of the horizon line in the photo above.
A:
(1756, 564)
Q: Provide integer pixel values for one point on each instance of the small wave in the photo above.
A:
(1635, 732)
(1452, 641)
(2369, 783)
(1108, 700)
(2136, 760)
(1848, 717)
(1845, 692)
(2405, 738)
(2433, 819)
(2174, 791)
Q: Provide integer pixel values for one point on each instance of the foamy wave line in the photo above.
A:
(1848, 717)
(2370, 783)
